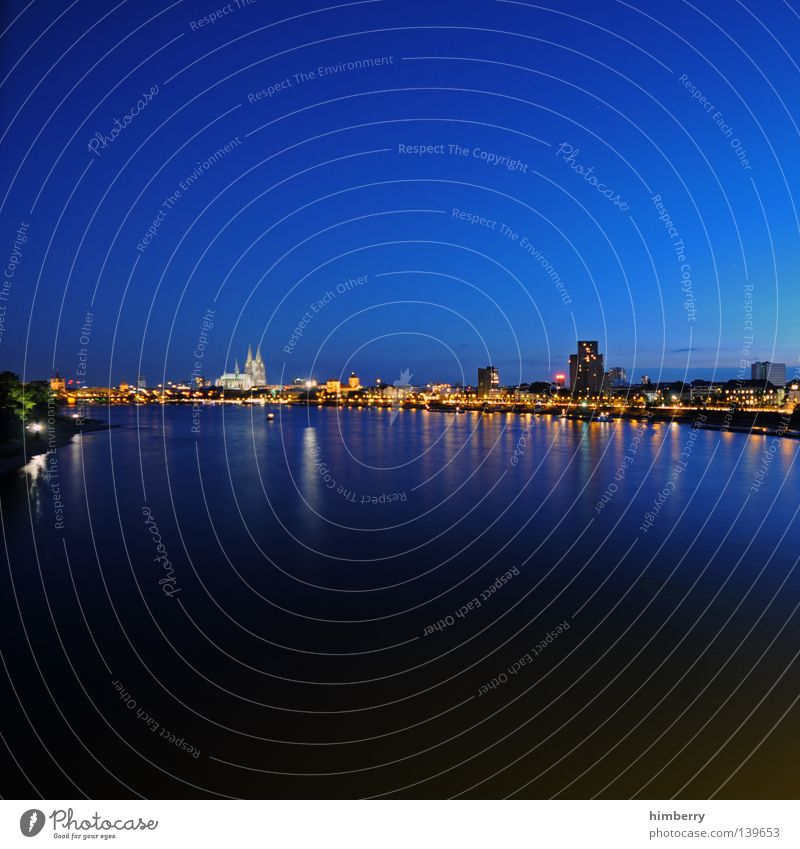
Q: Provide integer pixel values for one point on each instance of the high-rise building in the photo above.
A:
(774, 373)
(488, 381)
(586, 369)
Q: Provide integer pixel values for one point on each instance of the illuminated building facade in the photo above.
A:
(235, 380)
(488, 381)
(752, 393)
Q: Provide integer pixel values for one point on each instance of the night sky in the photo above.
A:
(245, 181)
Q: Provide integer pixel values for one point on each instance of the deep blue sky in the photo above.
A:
(317, 192)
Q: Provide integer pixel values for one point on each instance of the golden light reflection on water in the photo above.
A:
(432, 456)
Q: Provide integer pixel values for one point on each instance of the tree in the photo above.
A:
(19, 402)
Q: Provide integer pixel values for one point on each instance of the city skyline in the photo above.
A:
(778, 373)
(599, 381)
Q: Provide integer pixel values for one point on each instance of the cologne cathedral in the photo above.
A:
(254, 374)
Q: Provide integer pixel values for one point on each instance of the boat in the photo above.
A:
(270, 416)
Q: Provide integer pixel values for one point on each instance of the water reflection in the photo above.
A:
(35, 469)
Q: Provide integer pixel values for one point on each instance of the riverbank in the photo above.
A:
(758, 423)
(16, 453)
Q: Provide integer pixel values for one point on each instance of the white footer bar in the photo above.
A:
(402, 824)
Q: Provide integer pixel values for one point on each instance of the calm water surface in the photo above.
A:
(350, 603)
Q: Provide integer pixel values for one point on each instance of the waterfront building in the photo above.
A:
(57, 383)
(775, 373)
(676, 392)
(488, 381)
(752, 393)
(395, 394)
(333, 386)
(586, 371)
(702, 390)
(353, 382)
(650, 392)
(536, 391)
(440, 389)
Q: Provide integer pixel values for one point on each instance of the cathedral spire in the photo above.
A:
(249, 356)
(236, 366)
(259, 369)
